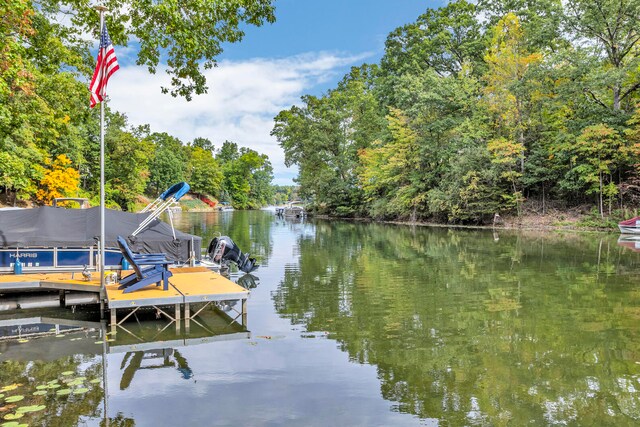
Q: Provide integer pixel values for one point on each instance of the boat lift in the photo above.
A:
(163, 203)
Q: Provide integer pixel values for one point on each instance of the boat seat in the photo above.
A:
(148, 268)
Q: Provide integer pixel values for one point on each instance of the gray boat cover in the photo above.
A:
(59, 227)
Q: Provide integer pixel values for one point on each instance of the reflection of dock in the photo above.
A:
(187, 287)
(44, 337)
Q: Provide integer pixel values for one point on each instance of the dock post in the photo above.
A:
(113, 322)
(178, 321)
(187, 317)
(244, 312)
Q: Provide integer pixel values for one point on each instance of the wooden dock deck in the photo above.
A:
(187, 286)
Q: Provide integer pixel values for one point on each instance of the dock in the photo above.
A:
(188, 287)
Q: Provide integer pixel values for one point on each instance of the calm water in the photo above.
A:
(354, 324)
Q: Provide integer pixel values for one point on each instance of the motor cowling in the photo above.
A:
(223, 250)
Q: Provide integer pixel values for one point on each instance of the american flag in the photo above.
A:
(107, 65)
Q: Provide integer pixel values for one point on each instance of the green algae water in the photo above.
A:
(356, 324)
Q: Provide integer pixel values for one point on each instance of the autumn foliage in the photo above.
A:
(60, 180)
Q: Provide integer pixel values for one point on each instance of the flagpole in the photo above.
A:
(101, 9)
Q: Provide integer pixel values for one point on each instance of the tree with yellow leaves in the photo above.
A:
(60, 180)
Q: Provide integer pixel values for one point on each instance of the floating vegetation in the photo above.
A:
(96, 380)
(13, 424)
(59, 336)
(13, 399)
(40, 393)
(32, 408)
(13, 416)
(63, 392)
(9, 387)
(68, 373)
(81, 390)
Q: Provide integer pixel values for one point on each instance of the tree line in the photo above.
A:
(49, 138)
(480, 108)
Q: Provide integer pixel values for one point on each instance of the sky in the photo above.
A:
(309, 48)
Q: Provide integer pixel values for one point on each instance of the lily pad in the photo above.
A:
(52, 382)
(40, 393)
(1, 395)
(32, 408)
(13, 424)
(74, 383)
(81, 390)
(96, 380)
(9, 387)
(54, 386)
(12, 399)
(63, 392)
(13, 416)
(42, 387)
(68, 373)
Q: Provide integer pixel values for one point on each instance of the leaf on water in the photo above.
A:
(9, 387)
(13, 416)
(82, 390)
(40, 393)
(96, 380)
(63, 392)
(52, 382)
(54, 386)
(68, 373)
(42, 387)
(23, 340)
(32, 408)
(12, 399)
(6, 408)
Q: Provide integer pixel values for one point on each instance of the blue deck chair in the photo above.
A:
(156, 272)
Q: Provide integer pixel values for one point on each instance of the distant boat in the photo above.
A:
(630, 226)
(294, 210)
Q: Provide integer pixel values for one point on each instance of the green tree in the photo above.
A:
(204, 173)
(167, 166)
(186, 36)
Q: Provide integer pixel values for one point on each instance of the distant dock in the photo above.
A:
(187, 287)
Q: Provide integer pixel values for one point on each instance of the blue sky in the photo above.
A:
(309, 48)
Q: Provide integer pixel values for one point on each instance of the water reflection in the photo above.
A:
(53, 363)
(468, 328)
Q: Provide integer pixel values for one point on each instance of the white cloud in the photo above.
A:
(243, 98)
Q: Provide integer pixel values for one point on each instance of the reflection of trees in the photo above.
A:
(532, 327)
(250, 230)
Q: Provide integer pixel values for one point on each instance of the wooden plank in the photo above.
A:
(207, 286)
(150, 295)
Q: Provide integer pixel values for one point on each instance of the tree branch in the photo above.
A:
(595, 98)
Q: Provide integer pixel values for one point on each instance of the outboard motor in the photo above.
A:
(222, 249)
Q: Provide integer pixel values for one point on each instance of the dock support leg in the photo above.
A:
(114, 323)
(187, 317)
(178, 322)
(244, 312)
